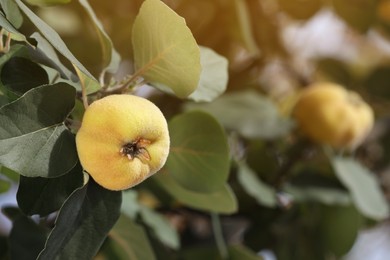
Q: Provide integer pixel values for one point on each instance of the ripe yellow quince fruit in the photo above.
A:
(123, 139)
(329, 114)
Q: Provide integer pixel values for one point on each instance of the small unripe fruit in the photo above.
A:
(329, 114)
(122, 141)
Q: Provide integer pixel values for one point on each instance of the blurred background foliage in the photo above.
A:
(274, 49)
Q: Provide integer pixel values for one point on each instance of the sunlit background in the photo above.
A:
(276, 47)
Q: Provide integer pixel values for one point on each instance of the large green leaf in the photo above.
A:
(199, 154)
(128, 240)
(161, 228)
(48, 194)
(54, 39)
(83, 223)
(16, 50)
(47, 49)
(364, 187)
(19, 75)
(249, 113)
(33, 138)
(12, 13)
(219, 201)
(26, 238)
(110, 56)
(339, 227)
(214, 77)
(264, 194)
(165, 52)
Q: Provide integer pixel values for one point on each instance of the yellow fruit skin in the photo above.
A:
(110, 123)
(329, 114)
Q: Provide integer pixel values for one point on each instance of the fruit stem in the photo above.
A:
(218, 234)
(8, 42)
(84, 96)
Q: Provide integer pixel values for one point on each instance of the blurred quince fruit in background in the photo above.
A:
(329, 114)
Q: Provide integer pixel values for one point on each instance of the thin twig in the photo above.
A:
(218, 234)
(1, 40)
(8, 42)
(84, 95)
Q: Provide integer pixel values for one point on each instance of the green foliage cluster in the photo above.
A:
(233, 156)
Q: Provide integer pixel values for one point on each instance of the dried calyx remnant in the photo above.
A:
(137, 149)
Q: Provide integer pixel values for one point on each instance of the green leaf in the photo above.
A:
(165, 52)
(26, 238)
(249, 113)
(158, 224)
(19, 75)
(220, 201)
(47, 49)
(54, 39)
(47, 2)
(327, 196)
(16, 50)
(199, 154)
(83, 223)
(110, 57)
(160, 227)
(5, 185)
(339, 227)
(214, 77)
(129, 241)
(239, 252)
(9, 174)
(364, 187)
(264, 194)
(130, 206)
(48, 194)
(33, 139)
(3, 99)
(12, 13)
(10, 28)
(90, 84)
